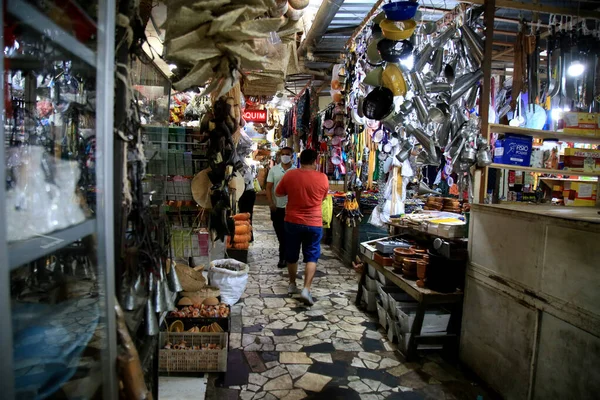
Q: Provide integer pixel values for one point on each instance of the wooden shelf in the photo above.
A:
(543, 170)
(422, 295)
(547, 178)
(565, 137)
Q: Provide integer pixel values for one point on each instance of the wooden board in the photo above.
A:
(423, 295)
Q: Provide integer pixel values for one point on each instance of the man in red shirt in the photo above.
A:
(306, 189)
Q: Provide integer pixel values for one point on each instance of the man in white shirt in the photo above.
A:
(277, 204)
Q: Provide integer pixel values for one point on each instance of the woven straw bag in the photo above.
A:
(191, 280)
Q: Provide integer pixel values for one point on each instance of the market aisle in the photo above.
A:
(332, 350)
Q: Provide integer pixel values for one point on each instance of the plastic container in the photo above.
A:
(400, 10)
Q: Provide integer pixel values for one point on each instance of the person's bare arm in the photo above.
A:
(269, 193)
(281, 189)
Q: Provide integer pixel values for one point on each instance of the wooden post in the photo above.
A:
(484, 100)
(364, 22)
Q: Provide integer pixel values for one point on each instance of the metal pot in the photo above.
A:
(439, 113)
(468, 154)
(483, 157)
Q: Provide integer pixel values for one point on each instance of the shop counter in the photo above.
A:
(531, 321)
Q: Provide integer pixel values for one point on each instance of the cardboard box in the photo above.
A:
(580, 120)
(513, 150)
(582, 160)
(582, 194)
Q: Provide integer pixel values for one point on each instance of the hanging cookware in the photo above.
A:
(405, 151)
(437, 87)
(379, 103)
(417, 82)
(464, 83)
(393, 79)
(400, 10)
(373, 55)
(436, 62)
(421, 108)
(406, 107)
(443, 38)
(439, 113)
(483, 157)
(393, 121)
(423, 57)
(373, 77)
(393, 51)
(397, 30)
(336, 141)
(328, 124)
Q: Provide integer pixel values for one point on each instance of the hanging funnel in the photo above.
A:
(173, 278)
(151, 321)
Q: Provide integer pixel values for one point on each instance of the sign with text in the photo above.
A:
(258, 116)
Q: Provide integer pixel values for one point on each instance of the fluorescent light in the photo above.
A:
(509, 69)
(544, 53)
(575, 69)
(172, 67)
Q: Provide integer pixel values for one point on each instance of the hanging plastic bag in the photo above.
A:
(327, 209)
(231, 277)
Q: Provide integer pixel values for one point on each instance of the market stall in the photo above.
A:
(530, 314)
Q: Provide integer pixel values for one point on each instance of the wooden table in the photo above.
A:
(425, 298)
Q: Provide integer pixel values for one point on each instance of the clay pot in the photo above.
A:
(410, 264)
(421, 269)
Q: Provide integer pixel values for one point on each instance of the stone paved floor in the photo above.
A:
(333, 350)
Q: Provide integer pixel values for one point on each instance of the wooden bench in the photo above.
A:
(425, 298)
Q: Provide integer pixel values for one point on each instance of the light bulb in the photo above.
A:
(575, 69)
(556, 113)
(408, 62)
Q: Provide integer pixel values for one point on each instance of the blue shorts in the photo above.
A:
(309, 237)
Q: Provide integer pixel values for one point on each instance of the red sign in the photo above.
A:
(259, 116)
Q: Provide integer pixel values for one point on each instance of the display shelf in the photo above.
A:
(424, 295)
(36, 20)
(543, 170)
(409, 230)
(547, 178)
(31, 249)
(566, 137)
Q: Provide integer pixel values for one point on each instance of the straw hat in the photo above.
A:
(201, 189)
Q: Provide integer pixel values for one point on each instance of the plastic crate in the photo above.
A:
(433, 321)
(371, 284)
(170, 360)
(371, 271)
(382, 315)
(369, 298)
(396, 300)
